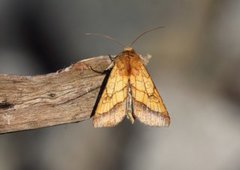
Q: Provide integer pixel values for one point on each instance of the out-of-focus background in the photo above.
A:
(195, 66)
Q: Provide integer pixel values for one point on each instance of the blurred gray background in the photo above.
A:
(195, 65)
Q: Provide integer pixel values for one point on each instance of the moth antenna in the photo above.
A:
(147, 31)
(106, 37)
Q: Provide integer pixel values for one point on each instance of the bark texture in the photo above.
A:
(67, 96)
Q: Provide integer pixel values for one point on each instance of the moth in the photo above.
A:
(130, 92)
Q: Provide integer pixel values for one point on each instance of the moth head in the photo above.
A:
(128, 49)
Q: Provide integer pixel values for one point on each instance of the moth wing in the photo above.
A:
(111, 108)
(148, 106)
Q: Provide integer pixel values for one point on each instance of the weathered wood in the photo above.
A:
(69, 95)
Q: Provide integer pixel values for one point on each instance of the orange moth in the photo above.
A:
(130, 92)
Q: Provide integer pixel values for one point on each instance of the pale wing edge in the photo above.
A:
(111, 118)
(150, 117)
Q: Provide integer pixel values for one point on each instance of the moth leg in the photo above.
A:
(112, 62)
(111, 58)
(107, 69)
(110, 66)
(96, 71)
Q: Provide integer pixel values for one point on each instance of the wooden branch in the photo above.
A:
(69, 95)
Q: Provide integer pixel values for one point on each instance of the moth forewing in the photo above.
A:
(111, 107)
(147, 103)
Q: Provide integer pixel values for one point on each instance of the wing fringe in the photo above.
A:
(150, 117)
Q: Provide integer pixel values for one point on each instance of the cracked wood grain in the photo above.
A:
(67, 96)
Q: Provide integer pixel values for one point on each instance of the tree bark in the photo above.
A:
(67, 96)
